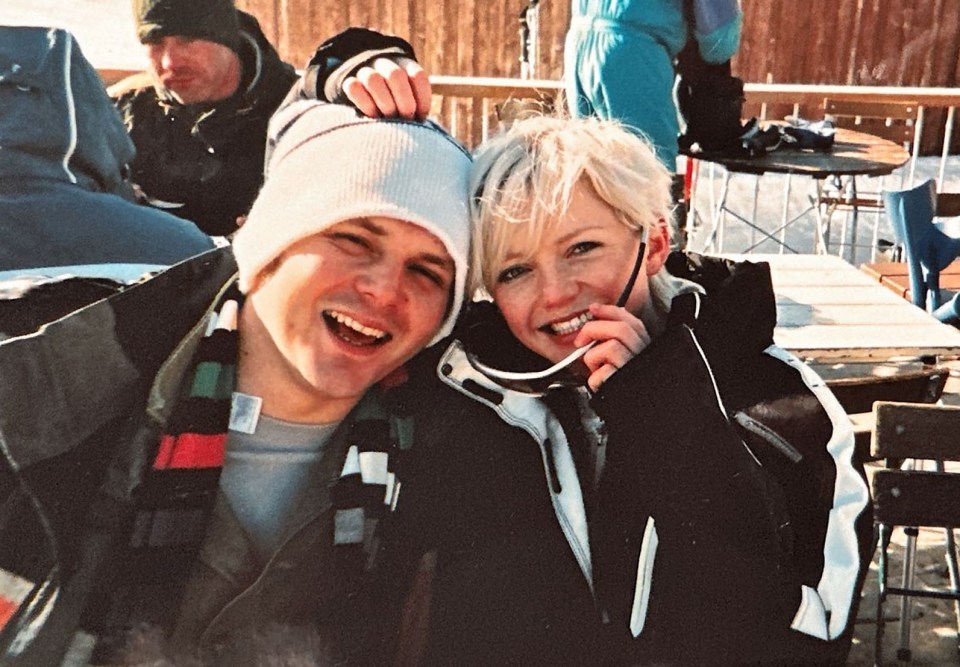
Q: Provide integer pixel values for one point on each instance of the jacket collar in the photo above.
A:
(529, 413)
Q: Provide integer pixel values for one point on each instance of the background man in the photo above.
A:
(199, 116)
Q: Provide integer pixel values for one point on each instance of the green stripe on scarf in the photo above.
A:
(214, 380)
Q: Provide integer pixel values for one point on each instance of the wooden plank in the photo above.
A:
(838, 277)
(868, 342)
(300, 38)
(837, 370)
(878, 270)
(948, 205)
(900, 284)
(916, 498)
(791, 261)
(833, 295)
(499, 87)
(432, 58)
(858, 394)
(908, 430)
(417, 33)
(827, 309)
(801, 314)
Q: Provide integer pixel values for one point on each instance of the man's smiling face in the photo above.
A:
(339, 310)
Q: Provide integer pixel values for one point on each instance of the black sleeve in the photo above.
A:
(341, 56)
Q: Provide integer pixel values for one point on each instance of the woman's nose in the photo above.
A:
(556, 287)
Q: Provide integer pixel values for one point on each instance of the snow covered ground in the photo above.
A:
(104, 28)
(737, 237)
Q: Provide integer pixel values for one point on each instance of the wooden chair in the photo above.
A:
(947, 205)
(911, 497)
(899, 122)
(928, 247)
(858, 394)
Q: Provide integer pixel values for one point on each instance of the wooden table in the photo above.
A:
(853, 154)
(895, 276)
(829, 311)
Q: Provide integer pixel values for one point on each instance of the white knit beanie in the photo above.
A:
(329, 164)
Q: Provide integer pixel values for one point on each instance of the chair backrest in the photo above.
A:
(926, 247)
(896, 121)
(948, 205)
(858, 394)
(912, 497)
(913, 430)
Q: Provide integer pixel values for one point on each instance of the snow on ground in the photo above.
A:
(104, 28)
(738, 237)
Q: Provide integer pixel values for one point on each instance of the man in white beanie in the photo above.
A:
(232, 467)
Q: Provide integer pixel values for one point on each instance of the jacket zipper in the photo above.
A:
(768, 435)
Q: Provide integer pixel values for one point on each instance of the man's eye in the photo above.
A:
(351, 242)
(583, 247)
(430, 274)
(511, 273)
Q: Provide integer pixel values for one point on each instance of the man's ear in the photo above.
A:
(658, 247)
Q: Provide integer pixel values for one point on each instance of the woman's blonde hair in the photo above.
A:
(526, 175)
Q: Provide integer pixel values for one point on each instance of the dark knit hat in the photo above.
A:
(212, 20)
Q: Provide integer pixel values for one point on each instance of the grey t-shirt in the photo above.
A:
(266, 473)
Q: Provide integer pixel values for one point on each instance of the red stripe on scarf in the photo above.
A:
(8, 608)
(191, 450)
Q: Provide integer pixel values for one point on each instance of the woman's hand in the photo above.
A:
(621, 337)
(386, 88)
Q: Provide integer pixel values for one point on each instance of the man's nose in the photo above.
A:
(169, 54)
(382, 283)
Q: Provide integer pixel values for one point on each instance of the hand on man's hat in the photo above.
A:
(387, 88)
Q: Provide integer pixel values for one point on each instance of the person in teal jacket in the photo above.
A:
(619, 54)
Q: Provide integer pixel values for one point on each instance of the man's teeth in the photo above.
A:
(356, 326)
(562, 328)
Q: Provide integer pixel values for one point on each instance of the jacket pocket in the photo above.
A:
(641, 591)
(768, 435)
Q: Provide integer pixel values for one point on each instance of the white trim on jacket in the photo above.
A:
(841, 555)
(527, 412)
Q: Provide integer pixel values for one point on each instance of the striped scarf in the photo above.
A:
(176, 498)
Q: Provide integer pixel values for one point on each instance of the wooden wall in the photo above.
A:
(462, 37)
(866, 42)
(854, 42)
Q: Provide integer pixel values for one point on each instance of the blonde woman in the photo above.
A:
(683, 492)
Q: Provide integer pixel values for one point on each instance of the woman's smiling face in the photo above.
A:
(544, 286)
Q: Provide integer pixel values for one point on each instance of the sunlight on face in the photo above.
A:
(194, 70)
(343, 308)
(544, 286)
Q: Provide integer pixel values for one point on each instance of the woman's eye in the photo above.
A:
(583, 247)
(511, 273)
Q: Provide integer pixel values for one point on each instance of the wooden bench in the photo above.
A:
(893, 276)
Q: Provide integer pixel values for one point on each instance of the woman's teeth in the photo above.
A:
(563, 328)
